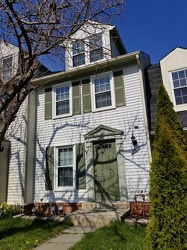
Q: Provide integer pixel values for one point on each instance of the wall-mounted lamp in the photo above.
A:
(1, 148)
(135, 144)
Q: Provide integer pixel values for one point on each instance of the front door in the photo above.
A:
(106, 171)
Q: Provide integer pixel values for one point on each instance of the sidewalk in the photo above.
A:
(66, 240)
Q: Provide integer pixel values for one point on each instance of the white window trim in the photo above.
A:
(54, 116)
(94, 109)
(177, 107)
(61, 188)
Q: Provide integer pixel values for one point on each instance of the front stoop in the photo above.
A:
(99, 214)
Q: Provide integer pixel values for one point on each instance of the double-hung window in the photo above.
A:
(95, 47)
(65, 166)
(103, 92)
(87, 50)
(62, 100)
(7, 69)
(78, 48)
(179, 79)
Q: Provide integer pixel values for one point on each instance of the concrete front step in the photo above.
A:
(105, 205)
(98, 214)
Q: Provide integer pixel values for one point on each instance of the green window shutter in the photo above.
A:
(48, 103)
(119, 88)
(80, 166)
(49, 172)
(86, 96)
(76, 97)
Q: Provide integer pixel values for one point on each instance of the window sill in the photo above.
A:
(64, 189)
(61, 116)
(103, 109)
(180, 107)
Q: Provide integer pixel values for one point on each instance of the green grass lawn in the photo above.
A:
(117, 236)
(21, 234)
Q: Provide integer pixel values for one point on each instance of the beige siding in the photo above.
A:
(72, 129)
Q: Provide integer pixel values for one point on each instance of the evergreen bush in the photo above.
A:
(168, 181)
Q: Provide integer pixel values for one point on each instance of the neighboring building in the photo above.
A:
(13, 158)
(84, 136)
(172, 72)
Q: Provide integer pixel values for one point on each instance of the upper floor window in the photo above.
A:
(96, 48)
(103, 92)
(88, 50)
(63, 99)
(179, 79)
(78, 53)
(7, 69)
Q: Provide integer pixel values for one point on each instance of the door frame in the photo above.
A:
(105, 133)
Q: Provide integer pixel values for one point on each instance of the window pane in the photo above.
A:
(7, 63)
(95, 46)
(184, 91)
(178, 100)
(65, 176)
(7, 68)
(65, 156)
(177, 92)
(62, 93)
(103, 100)
(96, 55)
(176, 83)
(62, 107)
(185, 99)
(183, 82)
(95, 41)
(62, 100)
(102, 84)
(78, 47)
(78, 60)
(181, 74)
(174, 75)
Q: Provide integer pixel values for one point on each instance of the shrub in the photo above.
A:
(7, 210)
(168, 181)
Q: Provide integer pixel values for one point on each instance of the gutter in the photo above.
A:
(119, 60)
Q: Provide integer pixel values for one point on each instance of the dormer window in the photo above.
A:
(78, 53)
(88, 50)
(7, 69)
(96, 48)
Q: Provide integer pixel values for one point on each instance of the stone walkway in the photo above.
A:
(66, 240)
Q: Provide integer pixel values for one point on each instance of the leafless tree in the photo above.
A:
(37, 28)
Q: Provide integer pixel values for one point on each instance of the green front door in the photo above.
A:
(106, 171)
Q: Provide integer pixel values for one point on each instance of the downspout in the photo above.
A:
(138, 59)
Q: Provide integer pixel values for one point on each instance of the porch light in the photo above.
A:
(135, 144)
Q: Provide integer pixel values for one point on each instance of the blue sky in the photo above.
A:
(154, 26)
